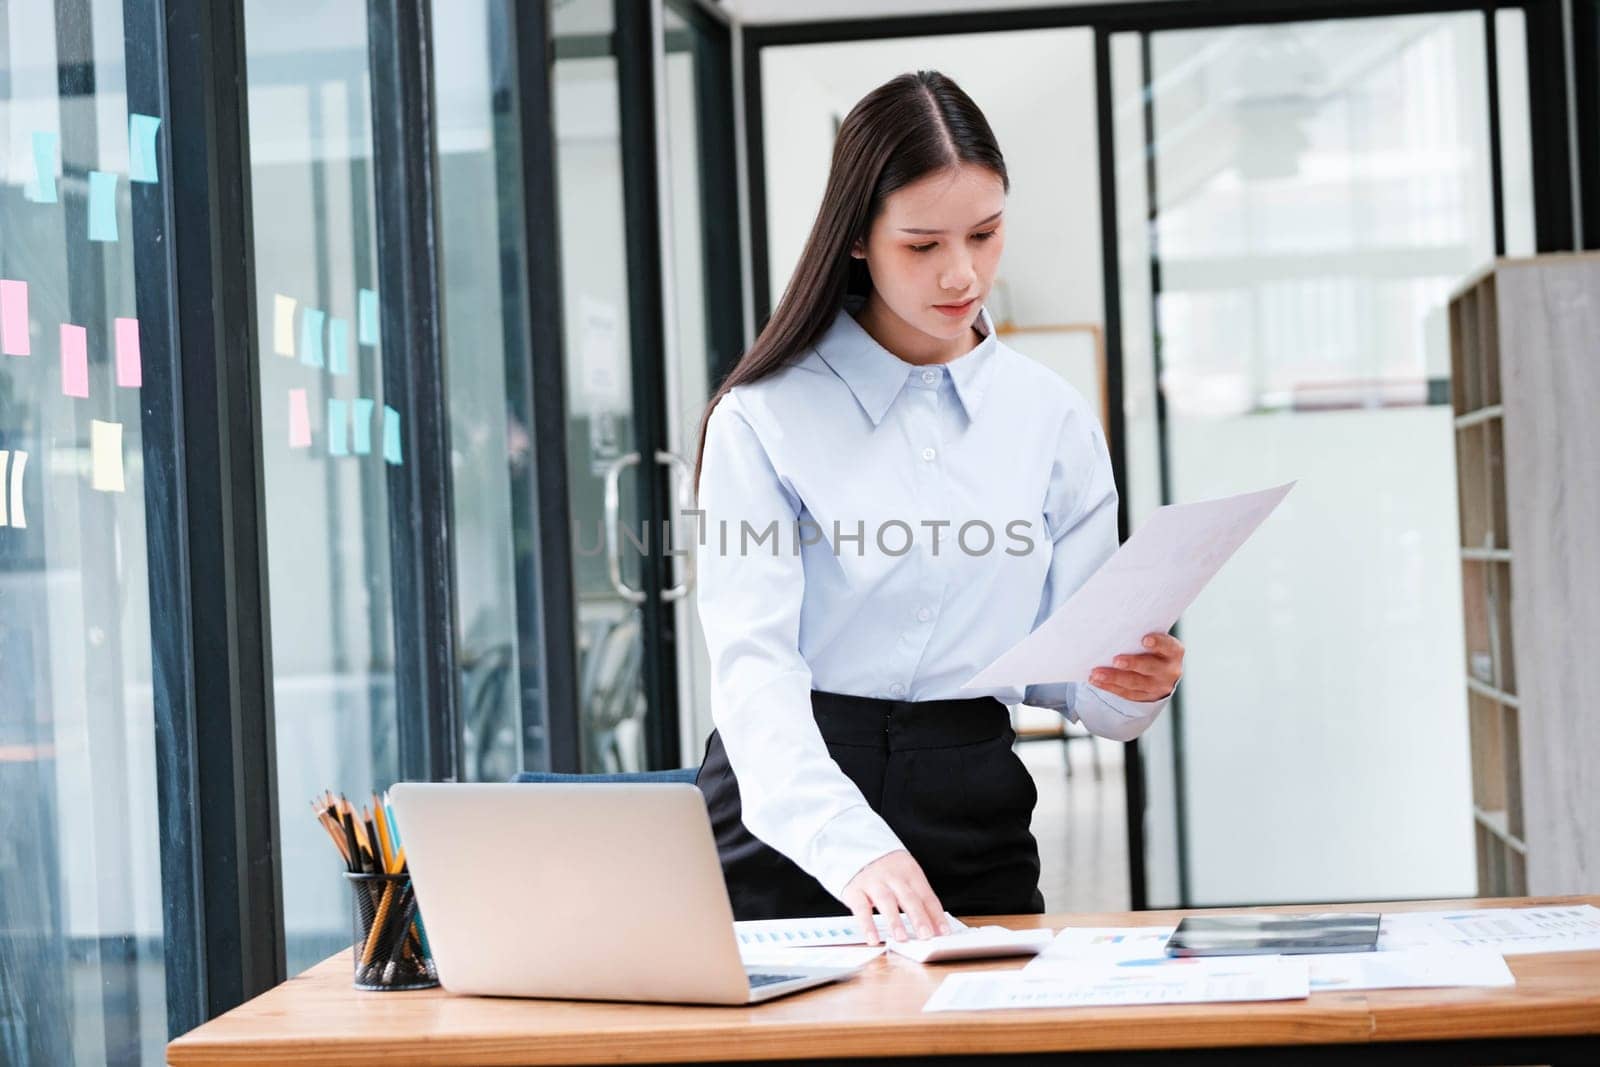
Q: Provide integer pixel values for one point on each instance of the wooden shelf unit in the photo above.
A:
(1525, 387)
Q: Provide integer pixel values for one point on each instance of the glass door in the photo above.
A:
(1296, 201)
(705, 323)
(636, 389)
(602, 449)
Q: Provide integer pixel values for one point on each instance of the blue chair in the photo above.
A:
(682, 774)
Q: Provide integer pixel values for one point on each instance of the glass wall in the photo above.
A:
(1315, 190)
(327, 438)
(603, 463)
(486, 353)
(81, 941)
(692, 343)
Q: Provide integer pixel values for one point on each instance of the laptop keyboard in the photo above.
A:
(768, 979)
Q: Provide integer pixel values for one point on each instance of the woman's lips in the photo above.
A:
(955, 311)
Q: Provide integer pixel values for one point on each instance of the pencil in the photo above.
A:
(378, 921)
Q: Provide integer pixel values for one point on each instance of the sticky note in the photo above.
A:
(142, 148)
(311, 337)
(299, 419)
(14, 318)
(338, 428)
(42, 190)
(391, 435)
(367, 317)
(338, 345)
(283, 325)
(19, 467)
(130, 369)
(74, 361)
(102, 206)
(362, 408)
(105, 453)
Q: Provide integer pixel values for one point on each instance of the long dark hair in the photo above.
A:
(902, 131)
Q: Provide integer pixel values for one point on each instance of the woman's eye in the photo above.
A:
(921, 248)
(985, 235)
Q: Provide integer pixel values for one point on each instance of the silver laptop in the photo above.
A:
(601, 891)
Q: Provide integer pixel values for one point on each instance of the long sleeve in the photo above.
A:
(1081, 521)
(792, 793)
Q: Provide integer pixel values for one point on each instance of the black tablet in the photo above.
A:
(1255, 935)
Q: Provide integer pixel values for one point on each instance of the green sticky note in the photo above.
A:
(142, 165)
(102, 206)
(42, 190)
(311, 337)
(367, 317)
(362, 407)
(338, 345)
(391, 436)
(338, 428)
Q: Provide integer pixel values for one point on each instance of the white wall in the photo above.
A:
(1050, 273)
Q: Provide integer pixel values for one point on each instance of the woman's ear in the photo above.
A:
(857, 251)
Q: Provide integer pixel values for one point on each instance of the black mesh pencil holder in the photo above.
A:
(391, 948)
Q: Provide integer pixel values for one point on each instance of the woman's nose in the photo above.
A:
(958, 277)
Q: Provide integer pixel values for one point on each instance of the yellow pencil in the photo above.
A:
(385, 842)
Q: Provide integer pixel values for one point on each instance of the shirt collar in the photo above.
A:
(875, 375)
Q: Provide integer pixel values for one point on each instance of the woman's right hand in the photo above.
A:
(892, 884)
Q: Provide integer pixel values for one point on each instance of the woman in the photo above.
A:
(889, 499)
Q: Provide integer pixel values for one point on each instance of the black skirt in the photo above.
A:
(941, 773)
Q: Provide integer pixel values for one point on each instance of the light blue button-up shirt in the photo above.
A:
(881, 528)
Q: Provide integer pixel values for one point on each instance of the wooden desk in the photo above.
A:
(1552, 1015)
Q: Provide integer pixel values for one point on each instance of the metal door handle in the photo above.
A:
(681, 483)
(613, 515)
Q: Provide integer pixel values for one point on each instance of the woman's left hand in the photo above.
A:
(1150, 675)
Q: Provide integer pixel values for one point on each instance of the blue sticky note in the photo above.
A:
(362, 408)
(367, 317)
(311, 337)
(142, 148)
(338, 428)
(43, 188)
(102, 205)
(391, 435)
(338, 345)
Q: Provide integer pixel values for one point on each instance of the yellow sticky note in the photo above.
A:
(283, 324)
(105, 452)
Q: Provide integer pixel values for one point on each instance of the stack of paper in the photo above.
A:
(1141, 948)
(820, 932)
(1188, 981)
(1508, 931)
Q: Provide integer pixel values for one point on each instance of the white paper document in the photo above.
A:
(1509, 931)
(1238, 978)
(811, 933)
(1408, 968)
(1141, 589)
(975, 943)
(825, 956)
(1101, 944)
(1135, 947)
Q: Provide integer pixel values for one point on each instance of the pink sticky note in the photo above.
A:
(74, 361)
(299, 420)
(130, 370)
(14, 318)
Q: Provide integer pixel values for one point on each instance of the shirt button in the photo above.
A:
(925, 614)
(930, 376)
(897, 690)
(928, 453)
